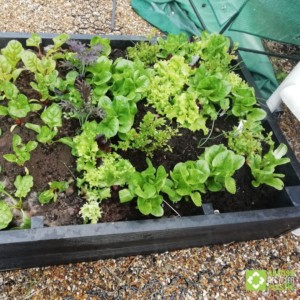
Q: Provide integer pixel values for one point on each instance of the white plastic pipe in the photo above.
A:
(293, 79)
(291, 97)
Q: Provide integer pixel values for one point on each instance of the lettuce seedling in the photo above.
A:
(187, 180)
(119, 115)
(130, 79)
(263, 167)
(146, 187)
(91, 212)
(23, 185)
(21, 151)
(52, 117)
(52, 193)
(222, 164)
(18, 104)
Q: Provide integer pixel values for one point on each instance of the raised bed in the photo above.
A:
(40, 246)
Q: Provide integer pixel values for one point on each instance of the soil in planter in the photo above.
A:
(55, 163)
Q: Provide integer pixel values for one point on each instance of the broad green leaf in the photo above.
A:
(30, 60)
(5, 68)
(109, 126)
(31, 145)
(157, 211)
(23, 185)
(3, 110)
(10, 157)
(274, 182)
(104, 42)
(46, 135)
(280, 151)
(125, 196)
(34, 41)
(214, 186)
(257, 114)
(35, 106)
(17, 140)
(19, 108)
(230, 185)
(144, 206)
(6, 215)
(52, 116)
(59, 40)
(10, 90)
(67, 141)
(34, 127)
(12, 52)
(196, 197)
(61, 186)
(46, 196)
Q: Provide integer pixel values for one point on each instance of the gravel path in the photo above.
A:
(215, 272)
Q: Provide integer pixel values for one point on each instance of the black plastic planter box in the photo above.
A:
(56, 245)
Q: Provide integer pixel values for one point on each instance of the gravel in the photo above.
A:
(214, 272)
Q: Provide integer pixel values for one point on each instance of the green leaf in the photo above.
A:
(59, 40)
(19, 108)
(67, 141)
(10, 157)
(257, 114)
(30, 60)
(60, 186)
(5, 68)
(31, 145)
(46, 135)
(52, 116)
(34, 127)
(3, 110)
(109, 126)
(6, 215)
(230, 185)
(46, 196)
(196, 197)
(35, 106)
(125, 195)
(144, 206)
(23, 185)
(280, 151)
(275, 183)
(34, 41)
(12, 52)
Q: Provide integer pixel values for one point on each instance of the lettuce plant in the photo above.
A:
(222, 164)
(52, 193)
(263, 167)
(21, 151)
(130, 79)
(23, 185)
(119, 115)
(52, 117)
(187, 180)
(146, 186)
(18, 105)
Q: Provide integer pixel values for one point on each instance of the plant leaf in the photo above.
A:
(6, 215)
